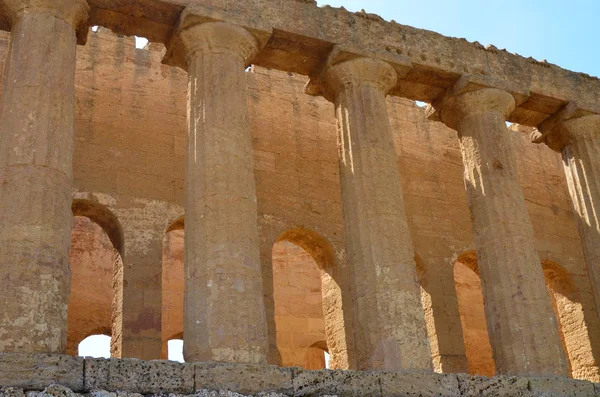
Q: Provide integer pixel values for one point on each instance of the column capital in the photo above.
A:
(452, 109)
(569, 125)
(74, 12)
(194, 35)
(345, 67)
(356, 72)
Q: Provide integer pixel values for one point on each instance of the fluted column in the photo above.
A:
(224, 313)
(389, 323)
(36, 151)
(522, 327)
(578, 139)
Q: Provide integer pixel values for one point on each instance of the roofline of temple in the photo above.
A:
(300, 36)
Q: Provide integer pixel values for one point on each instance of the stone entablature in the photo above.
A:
(297, 42)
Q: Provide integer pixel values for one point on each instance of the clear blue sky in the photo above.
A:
(566, 33)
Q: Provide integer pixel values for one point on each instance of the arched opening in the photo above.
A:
(576, 340)
(95, 259)
(173, 287)
(96, 346)
(472, 315)
(174, 346)
(307, 301)
(318, 355)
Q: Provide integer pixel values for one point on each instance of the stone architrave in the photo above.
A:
(578, 140)
(36, 176)
(522, 326)
(224, 312)
(389, 323)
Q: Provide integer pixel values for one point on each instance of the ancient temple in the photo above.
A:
(263, 182)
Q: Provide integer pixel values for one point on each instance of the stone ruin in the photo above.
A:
(447, 251)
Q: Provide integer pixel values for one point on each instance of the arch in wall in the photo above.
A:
(167, 346)
(95, 258)
(103, 217)
(93, 345)
(328, 324)
(317, 355)
(173, 283)
(576, 339)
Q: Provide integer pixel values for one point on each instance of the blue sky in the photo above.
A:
(566, 33)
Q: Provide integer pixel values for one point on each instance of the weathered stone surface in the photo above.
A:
(11, 392)
(223, 274)
(304, 22)
(432, 176)
(389, 326)
(339, 383)
(118, 393)
(502, 386)
(578, 140)
(353, 383)
(313, 383)
(136, 378)
(36, 371)
(503, 237)
(139, 376)
(243, 378)
(36, 154)
(560, 387)
(419, 384)
(56, 391)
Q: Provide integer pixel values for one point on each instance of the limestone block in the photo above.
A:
(243, 378)
(356, 383)
(560, 387)
(500, 386)
(56, 391)
(36, 371)
(11, 392)
(104, 393)
(419, 384)
(139, 376)
(313, 383)
(224, 393)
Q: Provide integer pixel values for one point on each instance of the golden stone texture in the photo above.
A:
(222, 268)
(389, 325)
(523, 330)
(36, 155)
(263, 170)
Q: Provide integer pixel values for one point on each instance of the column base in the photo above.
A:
(65, 375)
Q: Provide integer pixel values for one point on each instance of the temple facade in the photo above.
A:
(275, 183)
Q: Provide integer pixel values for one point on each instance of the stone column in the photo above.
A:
(523, 330)
(224, 312)
(578, 139)
(388, 318)
(36, 151)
